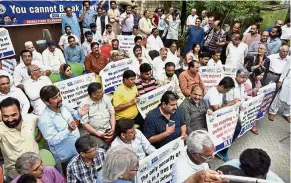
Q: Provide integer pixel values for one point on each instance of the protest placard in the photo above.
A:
(229, 71)
(151, 100)
(126, 43)
(211, 76)
(75, 89)
(111, 75)
(157, 167)
(268, 92)
(9, 65)
(248, 113)
(6, 46)
(221, 125)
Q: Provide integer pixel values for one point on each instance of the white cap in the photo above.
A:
(27, 43)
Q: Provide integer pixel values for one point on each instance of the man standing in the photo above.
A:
(191, 19)
(200, 150)
(36, 56)
(124, 98)
(173, 28)
(274, 43)
(236, 52)
(208, 27)
(113, 15)
(204, 18)
(136, 15)
(195, 34)
(86, 166)
(100, 119)
(165, 123)
(101, 21)
(74, 53)
(64, 43)
(215, 60)
(127, 21)
(161, 23)
(216, 38)
(189, 78)
(145, 83)
(16, 134)
(154, 42)
(253, 48)
(95, 61)
(53, 57)
(145, 24)
(33, 86)
(71, 20)
(194, 110)
(87, 16)
(277, 64)
(277, 23)
(286, 31)
(86, 46)
(6, 90)
(252, 36)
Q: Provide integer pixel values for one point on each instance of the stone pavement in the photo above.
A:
(274, 138)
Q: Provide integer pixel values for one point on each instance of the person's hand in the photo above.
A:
(178, 52)
(111, 132)
(71, 125)
(47, 72)
(256, 90)
(83, 110)
(100, 134)
(279, 84)
(170, 129)
(127, 16)
(133, 101)
(184, 137)
(209, 112)
(208, 176)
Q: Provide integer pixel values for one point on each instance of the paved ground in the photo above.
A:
(273, 138)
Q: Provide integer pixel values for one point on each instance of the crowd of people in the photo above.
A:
(114, 134)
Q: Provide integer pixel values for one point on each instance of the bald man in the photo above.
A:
(191, 18)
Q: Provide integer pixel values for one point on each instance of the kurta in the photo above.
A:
(194, 36)
(114, 20)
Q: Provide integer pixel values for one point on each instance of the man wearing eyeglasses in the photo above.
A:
(85, 167)
(200, 149)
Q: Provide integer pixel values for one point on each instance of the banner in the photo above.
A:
(9, 65)
(229, 71)
(75, 89)
(221, 125)
(151, 100)
(6, 46)
(248, 113)
(268, 92)
(157, 167)
(112, 74)
(211, 76)
(126, 43)
(40, 12)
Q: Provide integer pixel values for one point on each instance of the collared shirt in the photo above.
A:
(97, 36)
(154, 43)
(53, 60)
(191, 19)
(175, 59)
(20, 96)
(136, 18)
(32, 89)
(143, 87)
(14, 143)
(187, 81)
(54, 128)
(108, 37)
(239, 91)
(88, 18)
(95, 64)
(249, 38)
(64, 40)
(253, 48)
(213, 97)
(123, 95)
(219, 36)
(194, 114)
(78, 171)
(129, 22)
(136, 63)
(286, 32)
(235, 55)
(145, 26)
(86, 47)
(98, 23)
(73, 23)
(74, 54)
(140, 145)
(20, 73)
(277, 64)
(155, 123)
(49, 175)
(183, 168)
(274, 45)
(173, 29)
(162, 24)
(99, 113)
(159, 66)
(36, 57)
(211, 62)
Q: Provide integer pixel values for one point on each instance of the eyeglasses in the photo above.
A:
(93, 150)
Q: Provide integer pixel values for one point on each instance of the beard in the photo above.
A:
(169, 75)
(14, 123)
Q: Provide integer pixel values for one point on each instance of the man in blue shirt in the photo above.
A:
(87, 16)
(165, 123)
(71, 20)
(58, 126)
(74, 53)
(274, 42)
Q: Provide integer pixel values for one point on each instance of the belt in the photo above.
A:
(274, 73)
(86, 27)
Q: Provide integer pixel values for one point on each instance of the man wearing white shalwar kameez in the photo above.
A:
(283, 96)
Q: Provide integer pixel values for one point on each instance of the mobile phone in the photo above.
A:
(171, 123)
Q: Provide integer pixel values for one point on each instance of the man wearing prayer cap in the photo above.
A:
(36, 56)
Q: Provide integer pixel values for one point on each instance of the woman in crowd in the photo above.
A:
(192, 55)
(120, 166)
(252, 87)
(66, 72)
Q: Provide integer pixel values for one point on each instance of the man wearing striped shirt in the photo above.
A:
(146, 82)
